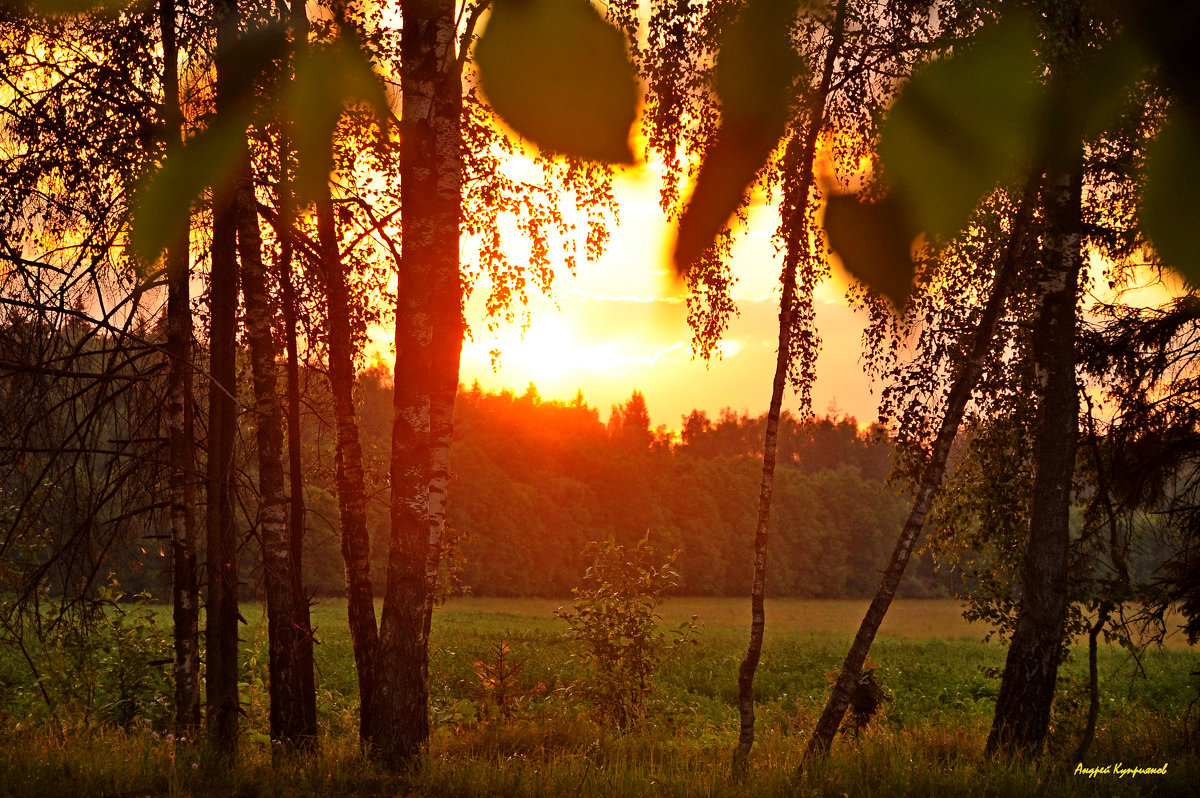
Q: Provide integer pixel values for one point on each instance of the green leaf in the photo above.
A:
(163, 201)
(328, 78)
(962, 125)
(251, 57)
(754, 79)
(1097, 90)
(558, 74)
(874, 242)
(1171, 199)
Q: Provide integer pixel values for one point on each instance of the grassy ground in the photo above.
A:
(927, 740)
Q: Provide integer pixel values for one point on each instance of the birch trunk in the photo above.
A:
(351, 481)
(931, 479)
(1031, 668)
(296, 520)
(799, 158)
(182, 449)
(221, 558)
(428, 342)
(285, 685)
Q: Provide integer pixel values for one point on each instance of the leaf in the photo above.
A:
(874, 242)
(1171, 199)
(163, 201)
(249, 58)
(1096, 91)
(754, 79)
(964, 124)
(328, 78)
(558, 74)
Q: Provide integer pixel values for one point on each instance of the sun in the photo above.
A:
(543, 353)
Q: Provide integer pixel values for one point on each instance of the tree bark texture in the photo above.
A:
(296, 480)
(350, 477)
(1031, 668)
(185, 599)
(285, 683)
(348, 458)
(428, 341)
(799, 157)
(931, 479)
(221, 557)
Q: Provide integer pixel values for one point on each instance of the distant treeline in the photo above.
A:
(535, 480)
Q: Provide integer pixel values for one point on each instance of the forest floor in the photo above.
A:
(542, 735)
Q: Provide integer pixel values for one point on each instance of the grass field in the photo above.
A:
(927, 740)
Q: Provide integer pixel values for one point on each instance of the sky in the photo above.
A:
(620, 324)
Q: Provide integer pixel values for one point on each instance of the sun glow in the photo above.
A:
(545, 349)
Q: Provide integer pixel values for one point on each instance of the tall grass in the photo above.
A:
(927, 740)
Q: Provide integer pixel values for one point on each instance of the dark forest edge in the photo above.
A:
(535, 480)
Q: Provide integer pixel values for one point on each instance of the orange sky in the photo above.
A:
(621, 324)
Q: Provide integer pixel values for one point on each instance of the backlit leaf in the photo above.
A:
(249, 59)
(962, 125)
(328, 78)
(1171, 200)
(163, 201)
(874, 241)
(1098, 88)
(558, 74)
(754, 79)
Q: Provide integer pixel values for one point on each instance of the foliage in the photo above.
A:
(103, 661)
(499, 681)
(867, 699)
(615, 618)
(535, 479)
(945, 148)
(540, 54)
(960, 127)
(328, 77)
(942, 703)
(754, 80)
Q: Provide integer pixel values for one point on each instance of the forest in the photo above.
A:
(258, 536)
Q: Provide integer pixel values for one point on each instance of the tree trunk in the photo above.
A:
(448, 323)
(182, 450)
(351, 481)
(1031, 668)
(1089, 731)
(931, 479)
(428, 341)
(447, 343)
(285, 684)
(222, 622)
(348, 458)
(287, 205)
(799, 158)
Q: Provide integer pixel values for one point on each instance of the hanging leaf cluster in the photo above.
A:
(963, 125)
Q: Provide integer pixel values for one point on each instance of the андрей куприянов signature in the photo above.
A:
(1120, 770)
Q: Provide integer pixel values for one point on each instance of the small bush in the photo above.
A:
(104, 660)
(499, 685)
(615, 618)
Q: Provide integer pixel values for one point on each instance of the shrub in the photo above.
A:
(615, 618)
(101, 660)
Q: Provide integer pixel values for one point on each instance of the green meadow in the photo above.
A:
(542, 737)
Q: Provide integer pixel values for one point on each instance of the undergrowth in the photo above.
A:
(519, 724)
